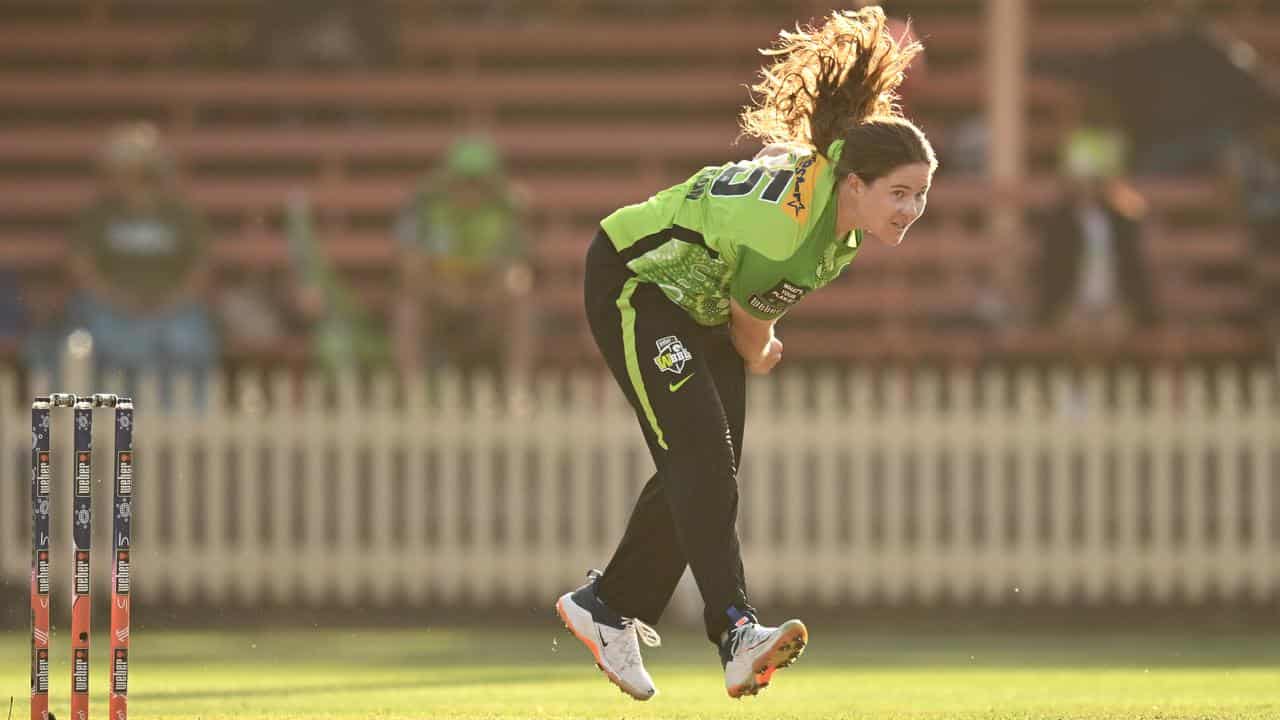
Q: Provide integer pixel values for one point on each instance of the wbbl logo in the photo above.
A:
(672, 355)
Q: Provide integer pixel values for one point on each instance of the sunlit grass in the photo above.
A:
(444, 672)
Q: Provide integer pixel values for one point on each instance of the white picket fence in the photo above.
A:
(976, 489)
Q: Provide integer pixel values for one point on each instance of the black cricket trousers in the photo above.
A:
(687, 385)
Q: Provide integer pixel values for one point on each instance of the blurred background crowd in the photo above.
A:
(394, 183)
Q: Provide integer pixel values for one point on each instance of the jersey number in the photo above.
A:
(725, 185)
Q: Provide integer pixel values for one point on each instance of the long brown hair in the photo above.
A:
(837, 81)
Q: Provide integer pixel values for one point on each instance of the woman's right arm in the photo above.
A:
(753, 339)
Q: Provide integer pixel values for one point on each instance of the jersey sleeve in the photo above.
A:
(757, 287)
(768, 241)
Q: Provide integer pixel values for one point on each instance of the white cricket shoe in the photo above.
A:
(611, 638)
(752, 652)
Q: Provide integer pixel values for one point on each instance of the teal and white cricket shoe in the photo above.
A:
(751, 653)
(613, 640)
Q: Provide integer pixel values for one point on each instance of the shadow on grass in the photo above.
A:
(882, 649)
(494, 679)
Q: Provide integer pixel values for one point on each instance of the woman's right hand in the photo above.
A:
(768, 359)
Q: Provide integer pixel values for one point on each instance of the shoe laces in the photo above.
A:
(636, 631)
(647, 634)
(746, 635)
(642, 630)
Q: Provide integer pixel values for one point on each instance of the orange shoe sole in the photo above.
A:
(785, 651)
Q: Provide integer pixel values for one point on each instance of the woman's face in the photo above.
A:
(886, 207)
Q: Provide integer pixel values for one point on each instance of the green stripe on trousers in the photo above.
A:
(633, 359)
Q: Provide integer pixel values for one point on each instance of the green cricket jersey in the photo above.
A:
(762, 232)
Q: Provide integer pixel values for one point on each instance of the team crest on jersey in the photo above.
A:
(672, 355)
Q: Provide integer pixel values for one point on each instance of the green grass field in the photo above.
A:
(445, 672)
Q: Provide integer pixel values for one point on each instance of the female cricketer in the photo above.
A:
(682, 293)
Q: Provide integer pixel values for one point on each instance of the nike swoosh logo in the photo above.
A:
(676, 386)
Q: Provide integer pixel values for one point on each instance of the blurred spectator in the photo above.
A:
(39, 316)
(1093, 278)
(250, 308)
(464, 284)
(1255, 167)
(1149, 78)
(965, 146)
(342, 336)
(13, 311)
(324, 35)
(141, 262)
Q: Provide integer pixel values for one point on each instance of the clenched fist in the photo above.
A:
(770, 357)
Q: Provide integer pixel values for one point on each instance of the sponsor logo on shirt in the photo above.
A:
(800, 192)
(778, 299)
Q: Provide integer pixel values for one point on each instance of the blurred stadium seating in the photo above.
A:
(594, 108)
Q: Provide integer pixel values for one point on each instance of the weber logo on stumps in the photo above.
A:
(80, 673)
(122, 572)
(43, 473)
(40, 683)
(82, 572)
(672, 355)
(42, 572)
(120, 671)
(84, 474)
(124, 472)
